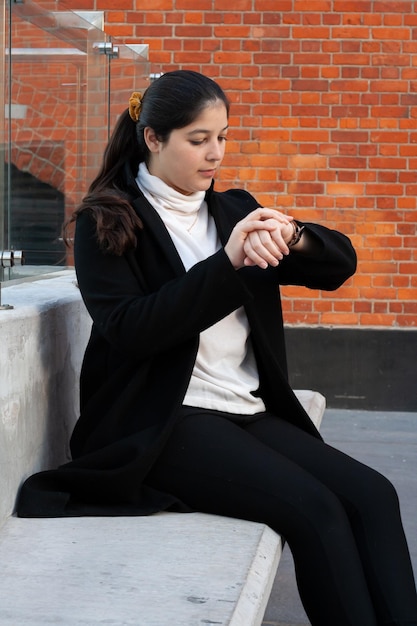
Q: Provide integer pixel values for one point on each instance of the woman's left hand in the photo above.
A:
(274, 240)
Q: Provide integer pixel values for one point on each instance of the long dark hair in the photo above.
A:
(173, 101)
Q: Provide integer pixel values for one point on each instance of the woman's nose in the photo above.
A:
(215, 152)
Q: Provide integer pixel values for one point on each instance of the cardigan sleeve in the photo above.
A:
(332, 261)
(143, 323)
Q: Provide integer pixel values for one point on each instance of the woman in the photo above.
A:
(185, 403)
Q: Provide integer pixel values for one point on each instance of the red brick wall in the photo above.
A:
(324, 124)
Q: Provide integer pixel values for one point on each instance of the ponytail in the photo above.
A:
(116, 220)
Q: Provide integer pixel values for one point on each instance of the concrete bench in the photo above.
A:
(170, 568)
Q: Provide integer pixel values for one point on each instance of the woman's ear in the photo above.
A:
(151, 139)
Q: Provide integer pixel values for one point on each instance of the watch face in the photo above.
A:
(297, 234)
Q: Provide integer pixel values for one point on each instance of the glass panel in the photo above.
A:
(47, 93)
(2, 136)
(57, 79)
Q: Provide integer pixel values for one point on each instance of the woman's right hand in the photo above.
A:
(259, 239)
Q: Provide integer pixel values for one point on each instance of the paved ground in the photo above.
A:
(385, 441)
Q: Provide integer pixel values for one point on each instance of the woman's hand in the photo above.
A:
(275, 241)
(259, 239)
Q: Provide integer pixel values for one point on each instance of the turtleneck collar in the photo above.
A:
(162, 195)
(186, 218)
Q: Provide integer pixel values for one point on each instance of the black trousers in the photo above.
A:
(341, 519)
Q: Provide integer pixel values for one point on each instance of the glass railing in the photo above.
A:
(65, 83)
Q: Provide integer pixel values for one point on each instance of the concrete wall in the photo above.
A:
(355, 368)
(42, 342)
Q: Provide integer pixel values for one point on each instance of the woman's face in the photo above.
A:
(190, 158)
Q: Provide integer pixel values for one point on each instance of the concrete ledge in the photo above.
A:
(42, 341)
(180, 569)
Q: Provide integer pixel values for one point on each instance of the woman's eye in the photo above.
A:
(199, 142)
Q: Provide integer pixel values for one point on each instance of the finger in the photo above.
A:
(261, 253)
(277, 236)
(251, 225)
(278, 215)
(263, 244)
(262, 263)
(249, 263)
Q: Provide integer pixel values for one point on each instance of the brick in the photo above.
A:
(391, 6)
(151, 5)
(192, 5)
(273, 17)
(349, 137)
(395, 86)
(193, 30)
(389, 111)
(350, 85)
(190, 44)
(268, 58)
(269, 32)
(306, 188)
(158, 31)
(310, 32)
(382, 137)
(196, 17)
(351, 32)
(233, 45)
(343, 162)
(109, 4)
(165, 18)
(392, 34)
(236, 57)
(309, 85)
(116, 16)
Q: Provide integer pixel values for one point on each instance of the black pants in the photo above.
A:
(340, 518)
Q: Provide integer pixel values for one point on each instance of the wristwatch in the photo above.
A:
(298, 231)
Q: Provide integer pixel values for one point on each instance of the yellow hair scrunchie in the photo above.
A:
(135, 105)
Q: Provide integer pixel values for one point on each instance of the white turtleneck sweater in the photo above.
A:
(225, 373)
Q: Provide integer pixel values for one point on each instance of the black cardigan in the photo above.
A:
(147, 315)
